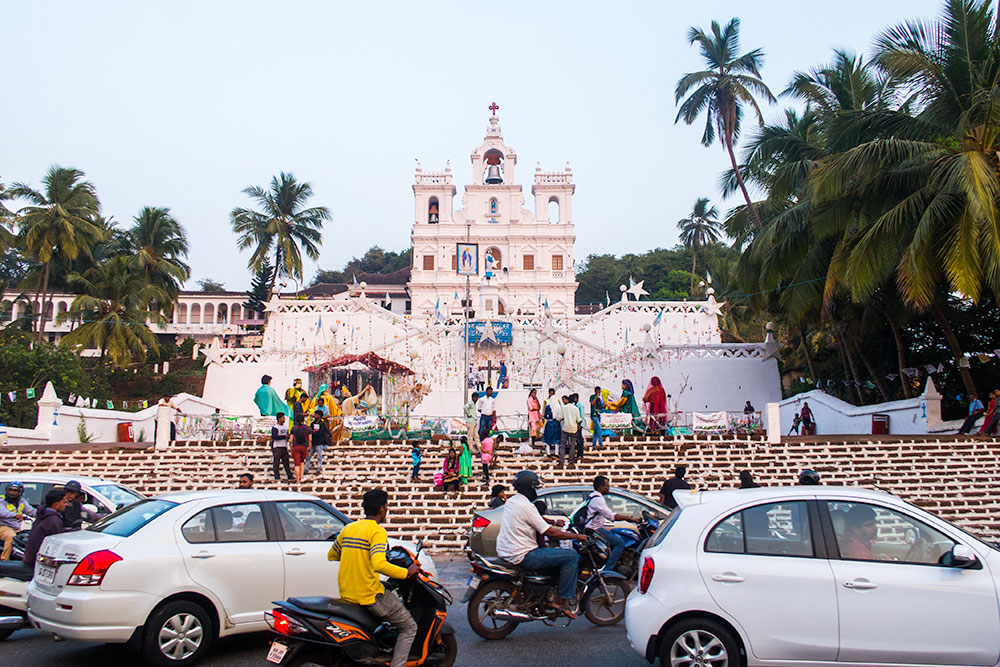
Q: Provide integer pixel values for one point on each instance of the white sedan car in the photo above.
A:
(813, 575)
(170, 574)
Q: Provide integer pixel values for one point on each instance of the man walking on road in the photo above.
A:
(361, 547)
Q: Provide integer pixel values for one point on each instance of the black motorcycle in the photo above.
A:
(502, 595)
(332, 632)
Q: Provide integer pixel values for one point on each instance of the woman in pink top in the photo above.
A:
(486, 455)
(534, 416)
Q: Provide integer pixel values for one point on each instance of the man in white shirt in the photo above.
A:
(570, 427)
(516, 541)
(486, 406)
(598, 512)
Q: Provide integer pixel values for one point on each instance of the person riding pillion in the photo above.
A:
(516, 541)
(361, 548)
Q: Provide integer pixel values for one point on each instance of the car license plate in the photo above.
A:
(473, 582)
(46, 575)
(277, 653)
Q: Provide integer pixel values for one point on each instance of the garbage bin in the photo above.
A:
(880, 424)
(125, 432)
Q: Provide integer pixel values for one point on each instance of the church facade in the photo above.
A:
(501, 256)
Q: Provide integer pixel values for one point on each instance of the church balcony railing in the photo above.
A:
(554, 178)
(431, 178)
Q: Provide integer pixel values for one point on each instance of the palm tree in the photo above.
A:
(159, 249)
(114, 312)
(699, 229)
(281, 225)
(721, 91)
(57, 221)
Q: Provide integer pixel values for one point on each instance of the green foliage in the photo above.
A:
(209, 285)
(375, 260)
(81, 432)
(23, 366)
(186, 347)
(259, 294)
(666, 272)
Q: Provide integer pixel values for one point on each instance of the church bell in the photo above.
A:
(493, 176)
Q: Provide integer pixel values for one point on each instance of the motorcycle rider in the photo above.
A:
(13, 509)
(809, 477)
(361, 547)
(516, 541)
(598, 512)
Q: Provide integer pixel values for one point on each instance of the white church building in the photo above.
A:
(516, 266)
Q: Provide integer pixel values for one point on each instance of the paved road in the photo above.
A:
(529, 645)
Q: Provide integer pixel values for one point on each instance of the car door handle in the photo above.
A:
(296, 552)
(860, 584)
(202, 554)
(727, 578)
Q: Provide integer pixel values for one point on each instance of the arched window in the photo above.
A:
(182, 313)
(221, 314)
(208, 316)
(433, 211)
(196, 313)
(553, 210)
(7, 311)
(493, 171)
(493, 259)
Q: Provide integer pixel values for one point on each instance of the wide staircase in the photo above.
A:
(958, 478)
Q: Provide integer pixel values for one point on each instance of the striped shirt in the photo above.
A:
(361, 547)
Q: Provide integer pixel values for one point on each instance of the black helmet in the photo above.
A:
(809, 477)
(14, 490)
(526, 483)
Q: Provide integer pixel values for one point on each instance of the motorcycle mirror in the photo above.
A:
(420, 546)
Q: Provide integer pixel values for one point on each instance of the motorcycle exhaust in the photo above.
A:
(510, 615)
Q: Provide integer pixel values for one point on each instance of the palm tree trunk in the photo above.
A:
(871, 370)
(808, 355)
(743, 187)
(694, 263)
(41, 305)
(953, 344)
(846, 355)
(901, 359)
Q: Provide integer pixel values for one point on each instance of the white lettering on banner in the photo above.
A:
(361, 422)
(710, 422)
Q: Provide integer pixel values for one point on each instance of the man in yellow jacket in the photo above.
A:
(361, 548)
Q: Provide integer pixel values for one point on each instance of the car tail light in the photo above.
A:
(480, 522)
(646, 576)
(284, 625)
(91, 570)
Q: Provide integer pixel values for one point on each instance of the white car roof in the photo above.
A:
(735, 496)
(234, 495)
(54, 477)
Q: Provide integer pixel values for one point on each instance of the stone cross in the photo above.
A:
(493, 107)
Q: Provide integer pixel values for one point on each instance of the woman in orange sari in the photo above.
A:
(534, 416)
(655, 399)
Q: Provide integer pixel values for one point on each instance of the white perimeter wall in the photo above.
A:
(834, 416)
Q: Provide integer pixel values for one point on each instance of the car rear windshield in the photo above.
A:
(119, 495)
(126, 521)
(664, 527)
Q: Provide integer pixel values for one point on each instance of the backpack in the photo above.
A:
(300, 433)
(582, 516)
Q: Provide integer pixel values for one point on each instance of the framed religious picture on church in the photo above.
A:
(468, 258)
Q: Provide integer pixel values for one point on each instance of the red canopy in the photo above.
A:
(371, 360)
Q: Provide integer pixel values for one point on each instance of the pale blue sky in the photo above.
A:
(182, 104)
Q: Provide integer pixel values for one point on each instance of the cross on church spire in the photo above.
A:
(493, 107)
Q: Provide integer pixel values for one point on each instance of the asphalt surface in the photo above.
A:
(529, 645)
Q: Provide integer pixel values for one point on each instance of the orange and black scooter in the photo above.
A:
(328, 631)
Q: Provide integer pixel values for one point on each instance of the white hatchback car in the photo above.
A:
(170, 574)
(813, 575)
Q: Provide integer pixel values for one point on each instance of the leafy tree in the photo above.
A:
(26, 362)
(158, 248)
(375, 260)
(209, 285)
(58, 220)
(699, 229)
(259, 293)
(114, 312)
(282, 226)
(722, 90)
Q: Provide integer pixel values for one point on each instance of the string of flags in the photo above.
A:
(31, 393)
(913, 372)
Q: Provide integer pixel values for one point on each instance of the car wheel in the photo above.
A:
(177, 634)
(489, 597)
(699, 642)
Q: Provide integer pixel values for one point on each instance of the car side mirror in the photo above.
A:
(962, 557)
